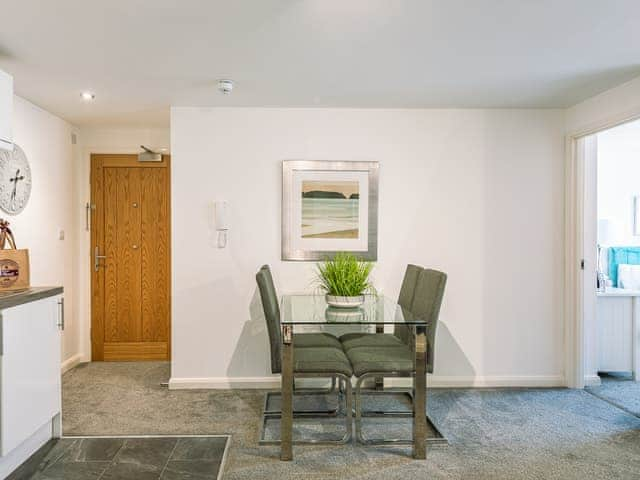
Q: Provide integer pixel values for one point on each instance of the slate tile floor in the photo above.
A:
(127, 458)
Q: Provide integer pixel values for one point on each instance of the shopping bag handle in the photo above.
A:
(6, 235)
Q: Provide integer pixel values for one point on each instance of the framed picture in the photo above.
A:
(329, 207)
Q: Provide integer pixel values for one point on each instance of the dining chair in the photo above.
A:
(315, 355)
(314, 339)
(302, 340)
(398, 360)
(401, 333)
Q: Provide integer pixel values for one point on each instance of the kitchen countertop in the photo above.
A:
(14, 298)
(619, 292)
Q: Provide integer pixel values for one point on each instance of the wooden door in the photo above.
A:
(130, 258)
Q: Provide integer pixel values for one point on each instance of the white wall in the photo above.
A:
(46, 140)
(99, 140)
(618, 174)
(476, 193)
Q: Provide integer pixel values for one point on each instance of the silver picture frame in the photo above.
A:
(289, 169)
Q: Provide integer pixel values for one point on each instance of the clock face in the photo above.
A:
(15, 180)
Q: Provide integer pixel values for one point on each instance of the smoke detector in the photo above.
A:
(225, 86)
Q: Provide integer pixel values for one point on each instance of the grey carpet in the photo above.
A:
(494, 434)
(620, 390)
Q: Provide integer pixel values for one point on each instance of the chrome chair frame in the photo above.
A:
(439, 439)
(343, 381)
(307, 392)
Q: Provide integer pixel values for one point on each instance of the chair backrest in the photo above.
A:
(405, 300)
(426, 305)
(271, 309)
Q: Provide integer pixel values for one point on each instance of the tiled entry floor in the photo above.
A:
(127, 458)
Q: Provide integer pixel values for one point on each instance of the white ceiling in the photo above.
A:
(140, 56)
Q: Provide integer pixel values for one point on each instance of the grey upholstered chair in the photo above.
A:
(317, 355)
(398, 360)
(271, 307)
(401, 333)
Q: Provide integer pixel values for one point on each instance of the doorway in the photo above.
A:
(131, 258)
(606, 249)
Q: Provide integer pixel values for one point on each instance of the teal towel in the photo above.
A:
(624, 255)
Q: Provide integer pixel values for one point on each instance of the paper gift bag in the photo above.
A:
(14, 263)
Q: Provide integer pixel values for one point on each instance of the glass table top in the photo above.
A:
(307, 309)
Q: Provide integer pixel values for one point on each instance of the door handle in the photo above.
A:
(96, 258)
(61, 314)
(87, 210)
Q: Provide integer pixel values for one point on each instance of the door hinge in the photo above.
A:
(582, 264)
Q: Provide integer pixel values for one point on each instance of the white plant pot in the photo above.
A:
(344, 302)
(344, 315)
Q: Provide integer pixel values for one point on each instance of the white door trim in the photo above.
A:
(574, 354)
(574, 232)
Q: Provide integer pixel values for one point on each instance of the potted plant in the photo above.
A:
(345, 280)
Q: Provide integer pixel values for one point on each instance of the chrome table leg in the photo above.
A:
(420, 394)
(379, 381)
(286, 421)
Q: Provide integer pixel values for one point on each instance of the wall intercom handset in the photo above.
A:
(221, 210)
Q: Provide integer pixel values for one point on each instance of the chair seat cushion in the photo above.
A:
(321, 360)
(355, 340)
(304, 340)
(381, 359)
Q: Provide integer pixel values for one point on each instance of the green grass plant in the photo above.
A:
(345, 275)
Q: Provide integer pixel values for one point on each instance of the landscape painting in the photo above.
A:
(330, 209)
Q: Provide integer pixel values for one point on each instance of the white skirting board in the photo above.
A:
(437, 381)
(491, 381)
(71, 362)
(223, 383)
(592, 380)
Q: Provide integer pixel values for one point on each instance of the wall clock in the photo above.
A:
(15, 180)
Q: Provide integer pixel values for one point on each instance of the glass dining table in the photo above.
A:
(304, 311)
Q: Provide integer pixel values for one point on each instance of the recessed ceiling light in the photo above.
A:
(88, 96)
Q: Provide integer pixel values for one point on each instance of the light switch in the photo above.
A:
(60, 234)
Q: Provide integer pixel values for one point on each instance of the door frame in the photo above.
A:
(116, 160)
(574, 331)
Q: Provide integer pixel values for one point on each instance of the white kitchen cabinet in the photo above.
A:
(30, 382)
(6, 111)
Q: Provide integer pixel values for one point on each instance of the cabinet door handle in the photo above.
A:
(61, 314)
